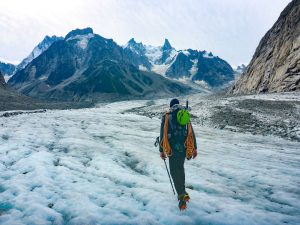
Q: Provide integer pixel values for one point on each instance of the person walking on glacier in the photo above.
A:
(177, 142)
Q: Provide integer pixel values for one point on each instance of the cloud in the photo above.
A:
(229, 28)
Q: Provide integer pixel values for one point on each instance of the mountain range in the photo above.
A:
(86, 66)
(185, 65)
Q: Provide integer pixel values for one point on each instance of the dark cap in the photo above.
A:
(174, 101)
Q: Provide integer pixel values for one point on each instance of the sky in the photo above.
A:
(230, 29)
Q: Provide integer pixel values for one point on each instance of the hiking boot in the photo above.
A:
(182, 205)
(183, 199)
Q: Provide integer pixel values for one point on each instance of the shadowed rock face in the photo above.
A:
(2, 81)
(275, 66)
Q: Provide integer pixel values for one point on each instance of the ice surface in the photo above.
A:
(99, 166)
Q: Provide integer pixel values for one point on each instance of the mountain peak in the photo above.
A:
(167, 45)
(138, 48)
(47, 41)
(132, 41)
(39, 49)
(84, 31)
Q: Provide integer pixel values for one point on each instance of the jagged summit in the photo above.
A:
(167, 45)
(132, 41)
(136, 47)
(183, 64)
(39, 49)
(83, 31)
(47, 41)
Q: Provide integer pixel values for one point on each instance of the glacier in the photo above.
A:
(99, 166)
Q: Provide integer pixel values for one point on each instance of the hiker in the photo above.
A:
(177, 142)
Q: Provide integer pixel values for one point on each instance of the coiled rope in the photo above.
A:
(189, 143)
(165, 143)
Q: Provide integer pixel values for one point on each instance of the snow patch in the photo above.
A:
(172, 57)
(194, 69)
(83, 40)
(153, 53)
(201, 83)
(143, 68)
(183, 79)
(7, 77)
(160, 69)
(206, 55)
(186, 52)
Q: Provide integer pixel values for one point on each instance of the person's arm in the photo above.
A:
(161, 132)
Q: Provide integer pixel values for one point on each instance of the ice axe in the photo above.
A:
(156, 144)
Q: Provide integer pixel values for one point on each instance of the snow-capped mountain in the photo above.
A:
(39, 49)
(186, 65)
(8, 69)
(86, 66)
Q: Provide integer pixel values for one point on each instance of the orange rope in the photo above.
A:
(165, 142)
(189, 143)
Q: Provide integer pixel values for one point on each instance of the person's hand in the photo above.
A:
(163, 155)
(195, 154)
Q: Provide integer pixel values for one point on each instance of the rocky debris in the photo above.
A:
(15, 113)
(263, 117)
(240, 114)
(275, 66)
